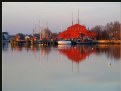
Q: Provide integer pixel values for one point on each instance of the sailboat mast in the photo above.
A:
(33, 32)
(72, 18)
(39, 29)
(35, 29)
(47, 24)
(78, 16)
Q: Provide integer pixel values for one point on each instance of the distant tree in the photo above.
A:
(109, 31)
(113, 29)
(104, 35)
(54, 35)
(98, 29)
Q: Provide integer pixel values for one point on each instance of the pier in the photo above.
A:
(32, 42)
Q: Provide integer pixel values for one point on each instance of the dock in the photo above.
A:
(32, 42)
(54, 42)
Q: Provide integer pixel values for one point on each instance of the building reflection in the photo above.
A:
(5, 46)
(16, 48)
(34, 49)
(45, 50)
(76, 53)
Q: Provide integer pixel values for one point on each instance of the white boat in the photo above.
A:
(64, 42)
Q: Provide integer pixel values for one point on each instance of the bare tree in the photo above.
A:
(111, 30)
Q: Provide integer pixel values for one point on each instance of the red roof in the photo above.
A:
(74, 31)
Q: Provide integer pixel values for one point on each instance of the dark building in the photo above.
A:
(5, 36)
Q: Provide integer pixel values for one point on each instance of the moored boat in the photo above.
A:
(85, 41)
(64, 42)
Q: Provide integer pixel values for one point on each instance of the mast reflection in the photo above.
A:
(76, 53)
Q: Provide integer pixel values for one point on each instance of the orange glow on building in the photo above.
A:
(76, 31)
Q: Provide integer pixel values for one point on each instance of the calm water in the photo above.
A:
(61, 68)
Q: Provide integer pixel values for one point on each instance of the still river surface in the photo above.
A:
(61, 68)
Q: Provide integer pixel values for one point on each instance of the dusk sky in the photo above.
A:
(22, 17)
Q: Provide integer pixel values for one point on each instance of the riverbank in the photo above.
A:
(108, 41)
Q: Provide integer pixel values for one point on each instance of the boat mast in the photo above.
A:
(33, 32)
(35, 29)
(47, 24)
(72, 18)
(40, 29)
(78, 16)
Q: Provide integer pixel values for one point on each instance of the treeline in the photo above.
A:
(111, 30)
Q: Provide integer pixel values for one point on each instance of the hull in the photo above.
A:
(64, 42)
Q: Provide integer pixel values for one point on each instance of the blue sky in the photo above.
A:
(24, 16)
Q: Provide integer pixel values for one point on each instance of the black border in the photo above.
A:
(42, 1)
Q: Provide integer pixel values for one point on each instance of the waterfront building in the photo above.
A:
(20, 36)
(76, 31)
(5, 36)
(45, 33)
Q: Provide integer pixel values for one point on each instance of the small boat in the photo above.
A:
(64, 42)
(85, 41)
(78, 41)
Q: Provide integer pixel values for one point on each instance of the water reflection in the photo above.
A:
(111, 51)
(20, 67)
(76, 53)
(45, 50)
(5, 46)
